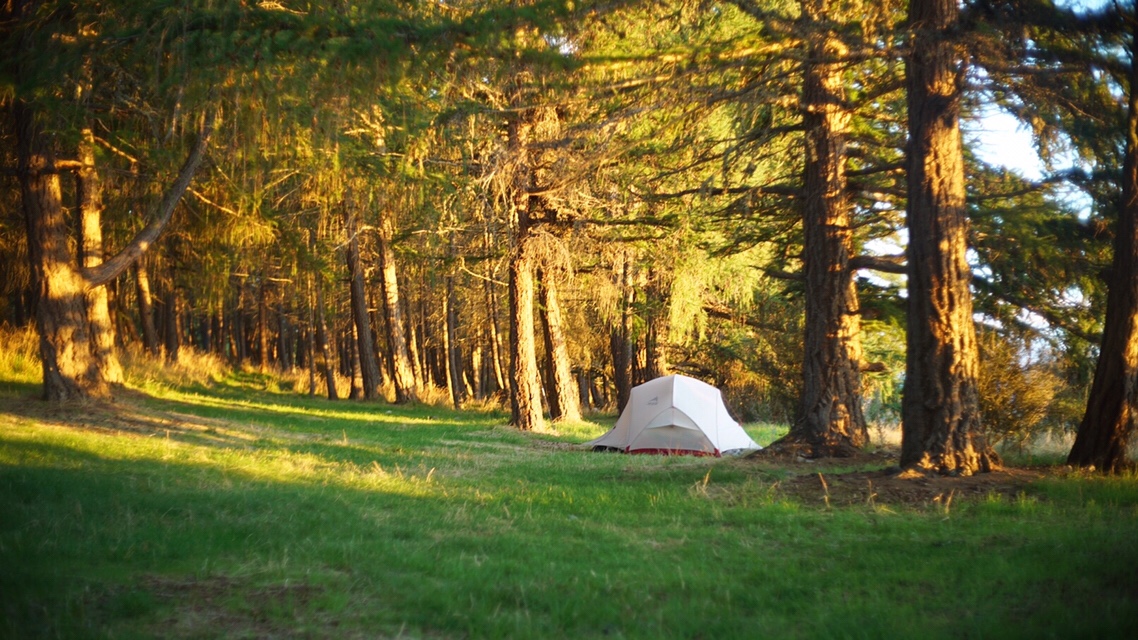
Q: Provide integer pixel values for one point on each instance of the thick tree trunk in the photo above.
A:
(1112, 405)
(403, 368)
(830, 421)
(69, 367)
(940, 406)
(525, 396)
(525, 387)
(365, 347)
(89, 192)
(561, 389)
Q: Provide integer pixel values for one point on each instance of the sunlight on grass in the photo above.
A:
(211, 509)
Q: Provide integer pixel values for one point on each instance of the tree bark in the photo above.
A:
(453, 351)
(525, 396)
(403, 369)
(525, 387)
(564, 404)
(620, 341)
(322, 343)
(365, 347)
(1112, 405)
(69, 367)
(830, 421)
(89, 192)
(173, 336)
(940, 407)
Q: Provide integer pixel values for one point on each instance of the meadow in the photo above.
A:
(229, 506)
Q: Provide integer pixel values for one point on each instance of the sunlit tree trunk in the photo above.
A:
(525, 387)
(146, 308)
(403, 369)
(69, 366)
(561, 388)
(940, 406)
(830, 421)
(365, 347)
(1112, 405)
(89, 190)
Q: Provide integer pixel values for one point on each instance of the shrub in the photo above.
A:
(1017, 392)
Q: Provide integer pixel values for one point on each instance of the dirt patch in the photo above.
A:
(230, 607)
(874, 478)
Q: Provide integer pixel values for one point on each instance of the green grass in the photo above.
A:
(228, 509)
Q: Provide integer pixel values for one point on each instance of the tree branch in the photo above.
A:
(109, 270)
(884, 264)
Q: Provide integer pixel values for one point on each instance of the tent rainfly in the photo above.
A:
(675, 415)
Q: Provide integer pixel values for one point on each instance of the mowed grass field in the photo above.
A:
(227, 508)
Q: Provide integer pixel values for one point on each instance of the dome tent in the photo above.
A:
(676, 414)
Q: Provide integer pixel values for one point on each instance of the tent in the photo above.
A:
(675, 414)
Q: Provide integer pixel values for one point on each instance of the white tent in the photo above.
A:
(676, 414)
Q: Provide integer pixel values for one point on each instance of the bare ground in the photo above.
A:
(875, 478)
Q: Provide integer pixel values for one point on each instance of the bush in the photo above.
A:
(1017, 393)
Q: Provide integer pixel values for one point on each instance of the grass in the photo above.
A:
(226, 508)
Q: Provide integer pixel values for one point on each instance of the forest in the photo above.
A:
(310, 313)
(541, 204)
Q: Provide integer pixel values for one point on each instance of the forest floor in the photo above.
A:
(235, 507)
(873, 478)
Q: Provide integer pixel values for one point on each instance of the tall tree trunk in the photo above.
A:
(620, 341)
(1112, 406)
(89, 192)
(403, 368)
(940, 408)
(263, 325)
(146, 308)
(830, 421)
(493, 335)
(525, 396)
(365, 347)
(525, 388)
(352, 346)
(69, 367)
(453, 351)
(173, 336)
(322, 342)
(562, 391)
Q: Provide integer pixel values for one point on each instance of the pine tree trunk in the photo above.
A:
(455, 382)
(493, 336)
(403, 369)
(830, 421)
(322, 342)
(940, 407)
(89, 192)
(525, 398)
(562, 389)
(620, 342)
(365, 346)
(263, 326)
(173, 337)
(1112, 405)
(146, 309)
(69, 367)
